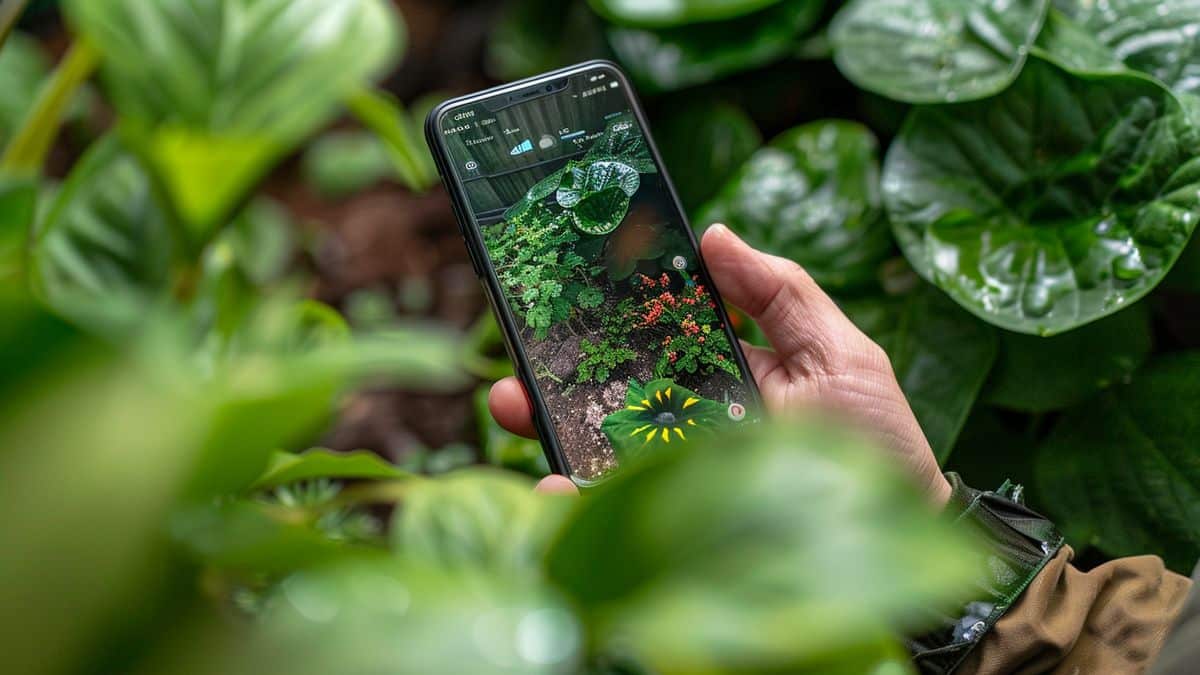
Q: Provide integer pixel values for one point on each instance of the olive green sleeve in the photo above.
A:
(1113, 619)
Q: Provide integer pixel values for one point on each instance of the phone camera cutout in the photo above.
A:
(736, 412)
(679, 262)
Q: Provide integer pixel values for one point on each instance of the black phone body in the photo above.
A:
(591, 267)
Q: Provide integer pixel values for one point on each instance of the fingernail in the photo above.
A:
(718, 228)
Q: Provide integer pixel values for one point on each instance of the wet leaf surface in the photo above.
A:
(935, 51)
(1061, 201)
(1158, 37)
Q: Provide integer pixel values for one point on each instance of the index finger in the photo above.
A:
(509, 404)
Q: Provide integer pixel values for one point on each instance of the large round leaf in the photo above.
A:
(933, 51)
(103, 248)
(1121, 472)
(601, 212)
(941, 355)
(213, 92)
(666, 13)
(703, 145)
(1037, 374)
(1158, 37)
(812, 195)
(1074, 47)
(674, 58)
(583, 181)
(1058, 202)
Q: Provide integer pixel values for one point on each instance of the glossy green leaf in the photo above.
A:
(1037, 374)
(479, 519)
(707, 559)
(1121, 472)
(342, 163)
(941, 356)
(287, 467)
(935, 51)
(1154, 36)
(675, 58)
(658, 414)
(811, 195)
(583, 181)
(1074, 47)
(703, 145)
(601, 212)
(213, 93)
(102, 251)
(1063, 200)
(667, 13)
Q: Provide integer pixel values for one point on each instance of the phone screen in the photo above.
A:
(617, 318)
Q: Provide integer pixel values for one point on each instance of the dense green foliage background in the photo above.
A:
(1005, 200)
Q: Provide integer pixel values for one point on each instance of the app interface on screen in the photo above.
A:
(619, 328)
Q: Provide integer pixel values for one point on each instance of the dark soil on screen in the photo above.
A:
(577, 410)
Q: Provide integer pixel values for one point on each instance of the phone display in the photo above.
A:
(615, 319)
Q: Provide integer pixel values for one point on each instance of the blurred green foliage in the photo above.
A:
(164, 372)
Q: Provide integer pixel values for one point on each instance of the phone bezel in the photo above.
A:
(520, 92)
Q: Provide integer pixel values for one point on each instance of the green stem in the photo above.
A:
(27, 151)
(386, 116)
(10, 13)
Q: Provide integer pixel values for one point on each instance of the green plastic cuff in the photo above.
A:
(1019, 544)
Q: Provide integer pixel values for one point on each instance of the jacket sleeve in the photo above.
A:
(1113, 620)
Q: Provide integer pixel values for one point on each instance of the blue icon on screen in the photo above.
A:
(522, 148)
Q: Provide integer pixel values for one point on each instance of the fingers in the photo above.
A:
(556, 485)
(509, 404)
(801, 322)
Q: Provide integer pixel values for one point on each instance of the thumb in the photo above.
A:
(796, 316)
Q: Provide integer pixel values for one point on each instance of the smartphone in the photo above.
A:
(590, 264)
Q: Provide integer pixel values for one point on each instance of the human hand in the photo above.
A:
(820, 360)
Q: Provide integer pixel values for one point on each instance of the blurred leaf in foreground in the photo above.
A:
(726, 558)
